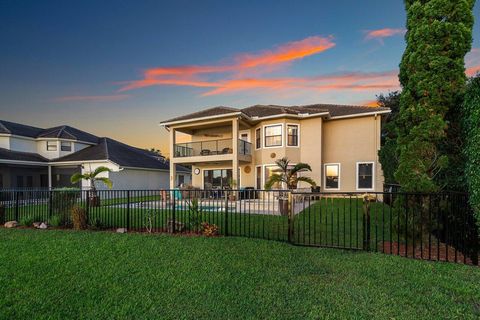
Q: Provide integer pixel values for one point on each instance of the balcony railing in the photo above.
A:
(210, 148)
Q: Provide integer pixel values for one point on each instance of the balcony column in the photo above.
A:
(173, 168)
(235, 163)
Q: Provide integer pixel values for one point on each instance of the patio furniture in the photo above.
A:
(227, 150)
(205, 152)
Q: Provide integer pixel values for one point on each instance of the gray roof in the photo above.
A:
(121, 154)
(6, 154)
(261, 111)
(65, 132)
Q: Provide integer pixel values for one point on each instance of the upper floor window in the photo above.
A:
(258, 138)
(273, 135)
(365, 176)
(51, 145)
(332, 176)
(292, 135)
(66, 146)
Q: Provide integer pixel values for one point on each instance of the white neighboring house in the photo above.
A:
(32, 157)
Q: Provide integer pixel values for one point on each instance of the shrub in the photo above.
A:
(64, 199)
(79, 218)
(96, 224)
(209, 230)
(56, 221)
(27, 221)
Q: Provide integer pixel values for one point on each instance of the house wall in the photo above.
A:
(345, 141)
(22, 144)
(135, 179)
(5, 142)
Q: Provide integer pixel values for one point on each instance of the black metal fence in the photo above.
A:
(436, 226)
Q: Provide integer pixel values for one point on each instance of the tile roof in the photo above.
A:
(6, 154)
(65, 132)
(121, 154)
(261, 111)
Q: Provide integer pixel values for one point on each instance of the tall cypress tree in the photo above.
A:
(432, 75)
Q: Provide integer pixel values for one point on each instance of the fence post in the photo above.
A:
(87, 200)
(174, 223)
(16, 205)
(366, 222)
(290, 216)
(50, 207)
(226, 214)
(128, 210)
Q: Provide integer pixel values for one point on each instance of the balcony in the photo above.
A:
(211, 148)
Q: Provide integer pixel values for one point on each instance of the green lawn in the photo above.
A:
(99, 275)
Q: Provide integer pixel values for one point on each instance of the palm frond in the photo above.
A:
(106, 181)
(308, 180)
(276, 178)
(100, 170)
(300, 167)
(77, 177)
(283, 164)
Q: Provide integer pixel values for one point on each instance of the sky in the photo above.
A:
(118, 68)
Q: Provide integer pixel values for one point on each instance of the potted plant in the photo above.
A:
(93, 177)
(287, 179)
(233, 186)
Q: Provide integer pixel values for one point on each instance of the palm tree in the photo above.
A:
(289, 175)
(93, 177)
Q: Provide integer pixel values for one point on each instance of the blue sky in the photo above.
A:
(66, 62)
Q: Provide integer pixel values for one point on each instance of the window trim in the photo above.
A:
(259, 129)
(298, 135)
(325, 175)
(56, 145)
(265, 136)
(373, 175)
(247, 132)
(262, 185)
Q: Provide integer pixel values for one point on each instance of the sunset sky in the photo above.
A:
(118, 68)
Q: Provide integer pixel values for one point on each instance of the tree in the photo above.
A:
(155, 150)
(289, 175)
(432, 75)
(92, 177)
(471, 133)
(388, 155)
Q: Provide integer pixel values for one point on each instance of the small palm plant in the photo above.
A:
(288, 179)
(93, 177)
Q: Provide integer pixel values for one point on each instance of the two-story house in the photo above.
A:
(32, 157)
(225, 144)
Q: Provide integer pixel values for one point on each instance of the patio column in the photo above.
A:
(49, 177)
(173, 169)
(235, 162)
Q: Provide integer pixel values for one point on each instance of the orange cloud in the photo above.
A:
(116, 97)
(383, 33)
(472, 62)
(369, 103)
(188, 75)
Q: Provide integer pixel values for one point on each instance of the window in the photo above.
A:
(258, 138)
(365, 175)
(181, 179)
(273, 135)
(217, 179)
(332, 176)
(259, 178)
(292, 135)
(66, 146)
(51, 145)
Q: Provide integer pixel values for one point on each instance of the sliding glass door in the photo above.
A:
(217, 179)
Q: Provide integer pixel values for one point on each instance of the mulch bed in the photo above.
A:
(442, 252)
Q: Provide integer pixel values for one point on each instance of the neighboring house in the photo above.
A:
(340, 143)
(32, 157)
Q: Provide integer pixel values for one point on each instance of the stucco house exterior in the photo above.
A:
(339, 142)
(32, 157)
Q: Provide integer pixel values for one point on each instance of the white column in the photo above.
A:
(49, 177)
(235, 162)
(173, 169)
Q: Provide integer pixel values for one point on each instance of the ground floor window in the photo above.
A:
(259, 178)
(332, 176)
(217, 179)
(181, 179)
(365, 175)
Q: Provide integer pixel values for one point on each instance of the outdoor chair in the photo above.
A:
(227, 150)
(205, 152)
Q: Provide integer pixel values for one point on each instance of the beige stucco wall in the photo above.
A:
(345, 141)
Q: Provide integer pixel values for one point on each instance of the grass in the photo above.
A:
(98, 275)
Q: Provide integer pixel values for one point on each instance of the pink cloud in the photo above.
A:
(472, 62)
(116, 97)
(383, 33)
